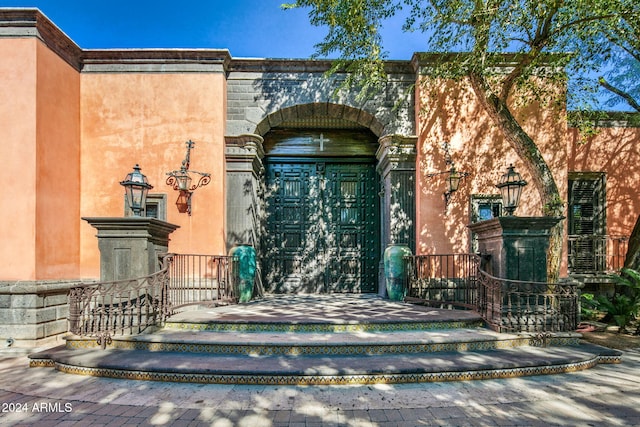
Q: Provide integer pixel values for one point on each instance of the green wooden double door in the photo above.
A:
(322, 226)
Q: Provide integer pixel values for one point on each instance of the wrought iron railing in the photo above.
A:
(459, 280)
(197, 279)
(516, 306)
(106, 309)
(120, 307)
(592, 254)
(443, 280)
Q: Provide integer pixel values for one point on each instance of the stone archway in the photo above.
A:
(321, 115)
(393, 158)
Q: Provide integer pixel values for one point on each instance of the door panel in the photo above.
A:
(322, 227)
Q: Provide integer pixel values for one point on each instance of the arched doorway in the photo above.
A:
(322, 211)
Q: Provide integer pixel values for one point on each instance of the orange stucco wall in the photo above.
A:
(145, 118)
(58, 168)
(615, 151)
(451, 113)
(39, 129)
(18, 76)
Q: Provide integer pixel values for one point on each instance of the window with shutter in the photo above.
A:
(587, 222)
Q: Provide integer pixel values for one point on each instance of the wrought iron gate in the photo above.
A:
(322, 226)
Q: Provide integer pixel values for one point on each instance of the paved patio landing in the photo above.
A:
(329, 309)
(606, 396)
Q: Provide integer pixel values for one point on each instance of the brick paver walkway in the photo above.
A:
(608, 395)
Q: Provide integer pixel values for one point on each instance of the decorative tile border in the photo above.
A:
(339, 349)
(41, 363)
(329, 379)
(610, 359)
(323, 327)
(295, 349)
(84, 343)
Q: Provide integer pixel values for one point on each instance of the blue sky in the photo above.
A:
(248, 28)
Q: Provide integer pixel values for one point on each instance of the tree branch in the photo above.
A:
(543, 34)
(529, 153)
(624, 95)
(586, 20)
(631, 50)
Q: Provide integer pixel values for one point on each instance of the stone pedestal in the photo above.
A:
(517, 246)
(130, 247)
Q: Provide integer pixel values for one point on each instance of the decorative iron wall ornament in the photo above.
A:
(454, 178)
(182, 181)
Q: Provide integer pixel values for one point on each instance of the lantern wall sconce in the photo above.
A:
(136, 188)
(454, 176)
(510, 186)
(182, 181)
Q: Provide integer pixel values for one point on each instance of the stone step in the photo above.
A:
(334, 339)
(327, 327)
(314, 344)
(332, 370)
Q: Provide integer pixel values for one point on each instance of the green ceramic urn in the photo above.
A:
(394, 270)
(245, 271)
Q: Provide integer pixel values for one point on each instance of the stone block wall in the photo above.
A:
(33, 314)
(257, 89)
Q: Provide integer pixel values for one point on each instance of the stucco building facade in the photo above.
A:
(278, 138)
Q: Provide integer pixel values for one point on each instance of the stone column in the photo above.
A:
(244, 154)
(130, 247)
(397, 168)
(517, 246)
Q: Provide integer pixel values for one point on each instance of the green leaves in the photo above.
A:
(623, 79)
(353, 35)
(628, 278)
(581, 30)
(588, 306)
(623, 306)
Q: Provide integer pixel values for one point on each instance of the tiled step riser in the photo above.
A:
(320, 327)
(382, 378)
(319, 350)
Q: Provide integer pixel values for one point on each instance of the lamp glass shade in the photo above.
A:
(136, 188)
(454, 180)
(183, 181)
(510, 186)
(137, 196)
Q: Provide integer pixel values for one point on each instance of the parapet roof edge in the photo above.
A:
(426, 59)
(304, 65)
(606, 119)
(31, 22)
(156, 55)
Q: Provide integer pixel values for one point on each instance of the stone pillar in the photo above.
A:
(517, 246)
(130, 247)
(244, 154)
(397, 168)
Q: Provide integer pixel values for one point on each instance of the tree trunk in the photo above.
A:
(525, 147)
(632, 260)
